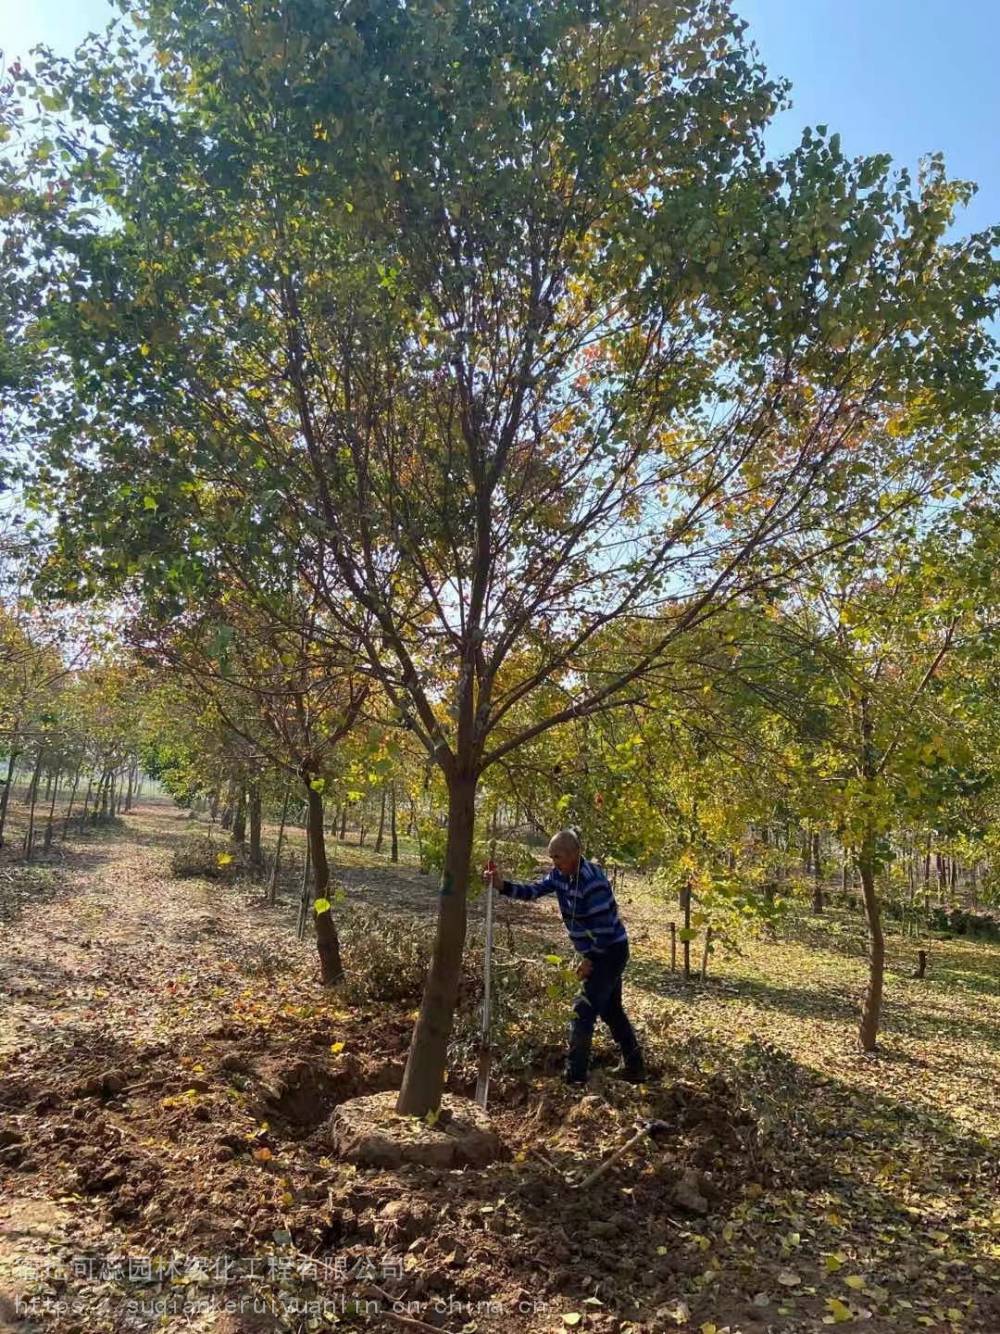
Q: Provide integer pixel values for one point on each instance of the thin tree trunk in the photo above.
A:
(871, 1011)
(343, 822)
(817, 870)
(240, 817)
(393, 837)
(272, 888)
(72, 798)
(86, 804)
(33, 789)
(30, 795)
(300, 929)
(327, 941)
(686, 900)
(229, 808)
(423, 1078)
(5, 795)
(256, 852)
(381, 824)
(46, 846)
(872, 1008)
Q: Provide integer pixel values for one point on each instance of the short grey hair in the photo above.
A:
(565, 841)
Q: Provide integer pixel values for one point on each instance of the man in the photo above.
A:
(591, 916)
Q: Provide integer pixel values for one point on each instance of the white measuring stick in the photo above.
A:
(483, 1082)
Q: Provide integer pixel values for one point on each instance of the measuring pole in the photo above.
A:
(485, 1054)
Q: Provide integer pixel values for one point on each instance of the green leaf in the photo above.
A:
(321, 906)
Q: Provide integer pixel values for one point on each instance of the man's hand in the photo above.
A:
(584, 968)
(496, 875)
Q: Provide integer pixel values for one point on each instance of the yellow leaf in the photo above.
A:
(841, 1313)
(572, 1318)
(321, 906)
(336, 1046)
(855, 1281)
(224, 858)
(833, 1262)
(709, 1328)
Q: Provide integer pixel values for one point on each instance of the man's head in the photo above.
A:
(564, 849)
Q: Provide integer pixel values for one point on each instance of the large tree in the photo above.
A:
(498, 318)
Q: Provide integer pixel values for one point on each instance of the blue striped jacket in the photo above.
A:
(586, 902)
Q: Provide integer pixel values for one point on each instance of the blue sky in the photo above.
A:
(900, 76)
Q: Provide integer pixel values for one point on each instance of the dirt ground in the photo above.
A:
(169, 1066)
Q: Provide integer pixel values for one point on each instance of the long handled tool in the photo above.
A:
(654, 1129)
(485, 1050)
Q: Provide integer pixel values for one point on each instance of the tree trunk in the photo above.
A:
(272, 888)
(381, 824)
(52, 814)
(256, 854)
(300, 929)
(343, 822)
(5, 795)
(817, 870)
(128, 794)
(327, 941)
(872, 1008)
(393, 835)
(33, 789)
(240, 817)
(424, 1076)
(86, 802)
(686, 905)
(29, 795)
(72, 798)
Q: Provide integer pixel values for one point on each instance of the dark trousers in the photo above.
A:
(600, 998)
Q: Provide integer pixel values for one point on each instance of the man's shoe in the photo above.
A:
(632, 1068)
(574, 1081)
